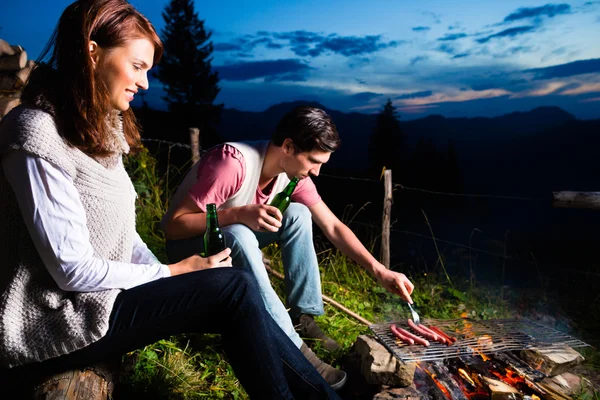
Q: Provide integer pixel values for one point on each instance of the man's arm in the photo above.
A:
(188, 220)
(345, 240)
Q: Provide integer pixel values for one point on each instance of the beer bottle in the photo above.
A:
(214, 241)
(282, 199)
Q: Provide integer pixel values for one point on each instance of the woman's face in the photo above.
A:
(123, 70)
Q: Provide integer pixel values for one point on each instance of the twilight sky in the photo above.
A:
(455, 58)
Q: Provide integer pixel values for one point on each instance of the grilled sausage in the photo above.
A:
(448, 338)
(400, 336)
(423, 331)
(417, 339)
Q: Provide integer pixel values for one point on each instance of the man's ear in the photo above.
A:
(288, 146)
(94, 52)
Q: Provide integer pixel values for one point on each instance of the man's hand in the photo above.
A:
(260, 217)
(395, 282)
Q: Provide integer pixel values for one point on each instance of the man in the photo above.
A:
(242, 178)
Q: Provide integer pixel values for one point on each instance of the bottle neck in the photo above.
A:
(289, 189)
(211, 216)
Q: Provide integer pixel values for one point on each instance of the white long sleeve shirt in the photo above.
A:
(56, 221)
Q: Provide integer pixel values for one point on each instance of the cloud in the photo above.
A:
(434, 16)
(447, 48)
(452, 36)
(414, 95)
(310, 44)
(568, 69)
(271, 71)
(363, 97)
(510, 32)
(421, 28)
(418, 59)
(548, 10)
(461, 55)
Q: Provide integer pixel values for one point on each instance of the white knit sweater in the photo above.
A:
(37, 319)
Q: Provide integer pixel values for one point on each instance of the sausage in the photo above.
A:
(400, 336)
(448, 338)
(423, 331)
(440, 339)
(417, 339)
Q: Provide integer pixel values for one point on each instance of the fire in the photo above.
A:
(465, 375)
(437, 383)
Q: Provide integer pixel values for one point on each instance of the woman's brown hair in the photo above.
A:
(66, 85)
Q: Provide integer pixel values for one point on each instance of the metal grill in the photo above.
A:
(475, 337)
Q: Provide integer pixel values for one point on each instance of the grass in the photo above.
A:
(194, 366)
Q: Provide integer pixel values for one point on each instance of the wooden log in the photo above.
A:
(7, 103)
(195, 144)
(576, 200)
(5, 49)
(552, 361)
(385, 224)
(10, 82)
(24, 73)
(13, 62)
(568, 384)
(92, 383)
(501, 391)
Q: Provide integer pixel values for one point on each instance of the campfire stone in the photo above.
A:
(379, 366)
(569, 384)
(406, 393)
(552, 361)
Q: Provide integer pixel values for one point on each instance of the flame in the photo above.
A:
(534, 397)
(465, 375)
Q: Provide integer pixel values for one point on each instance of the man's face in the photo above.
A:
(305, 164)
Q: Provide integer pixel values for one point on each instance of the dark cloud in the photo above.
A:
(229, 46)
(461, 55)
(420, 28)
(358, 62)
(309, 44)
(548, 10)
(452, 36)
(569, 69)
(447, 48)
(414, 95)
(271, 71)
(360, 81)
(418, 59)
(510, 32)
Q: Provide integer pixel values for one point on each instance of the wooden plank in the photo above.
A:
(195, 144)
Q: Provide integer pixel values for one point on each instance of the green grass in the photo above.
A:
(194, 367)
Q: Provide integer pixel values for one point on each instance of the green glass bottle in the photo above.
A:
(282, 199)
(214, 241)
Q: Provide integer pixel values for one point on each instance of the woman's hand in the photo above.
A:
(197, 263)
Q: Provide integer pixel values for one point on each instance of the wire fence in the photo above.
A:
(404, 188)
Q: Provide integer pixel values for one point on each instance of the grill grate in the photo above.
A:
(475, 337)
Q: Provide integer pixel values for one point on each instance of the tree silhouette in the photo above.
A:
(386, 147)
(186, 72)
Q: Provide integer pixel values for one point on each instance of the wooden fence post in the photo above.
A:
(195, 143)
(385, 223)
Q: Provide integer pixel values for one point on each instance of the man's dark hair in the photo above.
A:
(309, 128)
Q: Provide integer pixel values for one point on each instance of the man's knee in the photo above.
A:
(297, 214)
(239, 236)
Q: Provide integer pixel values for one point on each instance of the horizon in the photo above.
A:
(464, 59)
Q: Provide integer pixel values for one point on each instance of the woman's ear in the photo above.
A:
(94, 52)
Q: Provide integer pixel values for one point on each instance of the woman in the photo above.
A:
(77, 284)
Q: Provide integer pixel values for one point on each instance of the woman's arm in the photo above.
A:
(56, 221)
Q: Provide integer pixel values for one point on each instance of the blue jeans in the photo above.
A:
(218, 300)
(301, 268)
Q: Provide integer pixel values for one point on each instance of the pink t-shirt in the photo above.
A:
(221, 173)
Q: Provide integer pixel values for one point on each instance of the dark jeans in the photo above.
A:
(218, 300)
